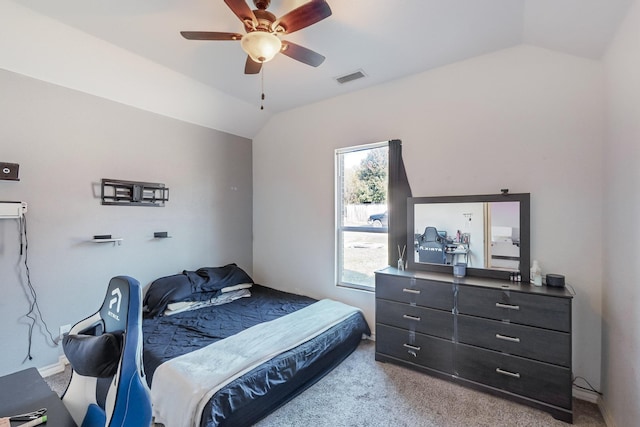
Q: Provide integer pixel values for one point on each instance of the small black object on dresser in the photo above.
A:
(556, 280)
(509, 339)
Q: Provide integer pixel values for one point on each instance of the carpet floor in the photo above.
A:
(365, 393)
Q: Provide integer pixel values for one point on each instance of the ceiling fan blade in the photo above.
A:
(251, 66)
(302, 54)
(209, 35)
(303, 16)
(242, 11)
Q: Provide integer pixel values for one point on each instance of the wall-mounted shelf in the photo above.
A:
(133, 193)
(115, 240)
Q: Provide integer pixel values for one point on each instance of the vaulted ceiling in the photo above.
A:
(385, 39)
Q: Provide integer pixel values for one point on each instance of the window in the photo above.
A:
(361, 214)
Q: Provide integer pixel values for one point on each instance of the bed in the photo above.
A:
(505, 247)
(212, 309)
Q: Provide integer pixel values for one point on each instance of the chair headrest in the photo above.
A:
(116, 305)
(431, 234)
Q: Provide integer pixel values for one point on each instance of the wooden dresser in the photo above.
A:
(509, 339)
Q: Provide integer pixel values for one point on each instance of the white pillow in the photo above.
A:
(184, 305)
(236, 287)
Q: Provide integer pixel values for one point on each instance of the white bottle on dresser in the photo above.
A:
(536, 274)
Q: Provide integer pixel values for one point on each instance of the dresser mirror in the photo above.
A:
(488, 233)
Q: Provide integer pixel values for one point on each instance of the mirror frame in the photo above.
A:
(525, 216)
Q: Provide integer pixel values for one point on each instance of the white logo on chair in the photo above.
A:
(117, 299)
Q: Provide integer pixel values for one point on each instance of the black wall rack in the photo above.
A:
(133, 193)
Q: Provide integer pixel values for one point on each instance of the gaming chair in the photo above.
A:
(432, 247)
(108, 386)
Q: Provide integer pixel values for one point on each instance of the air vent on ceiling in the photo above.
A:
(351, 77)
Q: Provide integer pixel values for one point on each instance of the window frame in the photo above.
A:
(338, 209)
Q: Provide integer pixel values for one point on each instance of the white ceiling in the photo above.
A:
(387, 39)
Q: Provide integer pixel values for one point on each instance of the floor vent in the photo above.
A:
(351, 77)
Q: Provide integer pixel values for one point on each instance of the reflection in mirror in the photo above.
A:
(504, 239)
(484, 232)
(482, 235)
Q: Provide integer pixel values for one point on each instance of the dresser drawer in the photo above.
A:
(421, 292)
(516, 307)
(541, 381)
(533, 343)
(430, 352)
(424, 320)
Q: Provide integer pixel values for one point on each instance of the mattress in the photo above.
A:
(505, 254)
(260, 391)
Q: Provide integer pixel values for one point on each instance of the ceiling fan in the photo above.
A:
(262, 41)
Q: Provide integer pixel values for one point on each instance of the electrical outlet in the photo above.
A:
(64, 329)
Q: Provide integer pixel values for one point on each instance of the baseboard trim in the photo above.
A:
(56, 368)
(606, 414)
(589, 396)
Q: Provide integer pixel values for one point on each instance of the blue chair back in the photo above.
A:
(95, 396)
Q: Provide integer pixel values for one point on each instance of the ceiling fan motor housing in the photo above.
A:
(262, 4)
(264, 18)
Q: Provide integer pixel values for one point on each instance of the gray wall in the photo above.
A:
(65, 142)
(620, 289)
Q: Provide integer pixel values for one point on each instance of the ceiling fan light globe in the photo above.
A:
(261, 46)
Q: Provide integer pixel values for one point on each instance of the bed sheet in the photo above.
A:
(166, 337)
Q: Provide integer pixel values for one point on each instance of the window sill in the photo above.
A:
(354, 286)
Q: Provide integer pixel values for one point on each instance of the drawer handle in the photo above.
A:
(411, 291)
(507, 373)
(509, 306)
(410, 317)
(507, 338)
(411, 347)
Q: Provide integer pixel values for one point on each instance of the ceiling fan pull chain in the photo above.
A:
(262, 84)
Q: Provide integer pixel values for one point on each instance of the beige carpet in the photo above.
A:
(363, 392)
